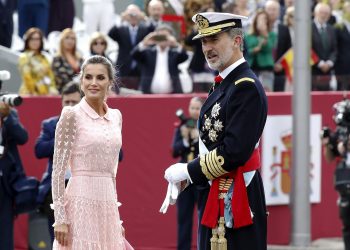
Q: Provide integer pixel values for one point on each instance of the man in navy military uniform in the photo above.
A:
(232, 208)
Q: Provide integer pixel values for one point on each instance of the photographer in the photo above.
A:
(159, 55)
(12, 133)
(185, 145)
(337, 147)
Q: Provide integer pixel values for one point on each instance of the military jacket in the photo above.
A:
(231, 123)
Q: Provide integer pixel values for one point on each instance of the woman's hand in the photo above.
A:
(61, 234)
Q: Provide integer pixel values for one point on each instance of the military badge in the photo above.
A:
(215, 110)
(213, 135)
(202, 22)
(218, 125)
(207, 124)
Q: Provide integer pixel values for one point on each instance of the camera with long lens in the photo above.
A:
(9, 99)
(189, 122)
(341, 133)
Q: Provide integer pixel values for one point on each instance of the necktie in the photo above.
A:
(324, 37)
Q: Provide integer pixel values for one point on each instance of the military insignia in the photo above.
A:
(215, 110)
(202, 22)
(213, 135)
(207, 124)
(218, 125)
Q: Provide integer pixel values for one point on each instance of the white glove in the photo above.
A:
(176, 173)
(170, 197)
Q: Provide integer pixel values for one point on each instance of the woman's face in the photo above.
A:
(99, 47)
(34, 42)
(69, 41)
(95, 82)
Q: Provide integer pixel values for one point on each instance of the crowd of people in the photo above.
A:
(269, 36)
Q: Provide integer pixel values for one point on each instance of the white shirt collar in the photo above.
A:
(228, 70)
(320, 26)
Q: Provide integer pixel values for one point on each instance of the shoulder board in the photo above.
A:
(244, 79)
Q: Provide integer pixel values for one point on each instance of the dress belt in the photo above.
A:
(92, 174)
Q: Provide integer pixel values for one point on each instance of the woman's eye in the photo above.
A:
(100, 77)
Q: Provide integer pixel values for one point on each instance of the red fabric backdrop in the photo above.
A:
(148, 125)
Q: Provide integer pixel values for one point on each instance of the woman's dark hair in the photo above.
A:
(29, 34)
(255, 21)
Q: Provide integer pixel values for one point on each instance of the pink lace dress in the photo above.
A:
(89, 145)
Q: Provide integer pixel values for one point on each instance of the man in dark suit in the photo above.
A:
(232, 119)
(128, 35)
(12, 133)
(324, 45)
(44, 148)
(342, 63)
(284, 42)
(7, 8)
(185, 146)
(158, 56)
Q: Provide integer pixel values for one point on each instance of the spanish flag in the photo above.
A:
(287, 62)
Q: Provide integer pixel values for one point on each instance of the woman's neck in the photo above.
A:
(97, 105)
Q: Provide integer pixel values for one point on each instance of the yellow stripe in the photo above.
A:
(215, 29)
(212, 166)
(248, 79)
(205, 169)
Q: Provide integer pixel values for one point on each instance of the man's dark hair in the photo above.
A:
(70, 88)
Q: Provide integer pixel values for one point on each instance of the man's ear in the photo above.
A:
(237, 41)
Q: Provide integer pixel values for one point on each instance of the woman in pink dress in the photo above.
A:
(88, 140)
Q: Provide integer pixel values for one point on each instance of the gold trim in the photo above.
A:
(248, 79)
(215, 166)
(215, 29)
(204, 168)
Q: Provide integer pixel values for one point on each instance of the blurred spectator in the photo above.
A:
(240, 7)
(343, 57)
(159, 55)
(288, 20)
(98, 15)
(7, 7)
(282, 44)
(284, 6)
(34, 67)
(66, 64)
(98, 45)
(128, 35)
(155, 9)
(33, 13)
(44, 148)
(61, 15)
(12, 134)
(336, 13)
(260, 43)
(324, 45)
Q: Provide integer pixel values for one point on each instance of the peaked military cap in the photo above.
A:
(211, 23)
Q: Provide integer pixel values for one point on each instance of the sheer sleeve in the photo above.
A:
(64, 140)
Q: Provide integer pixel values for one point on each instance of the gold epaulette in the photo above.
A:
(248, 79)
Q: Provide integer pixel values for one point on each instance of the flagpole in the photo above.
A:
(300, 235)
